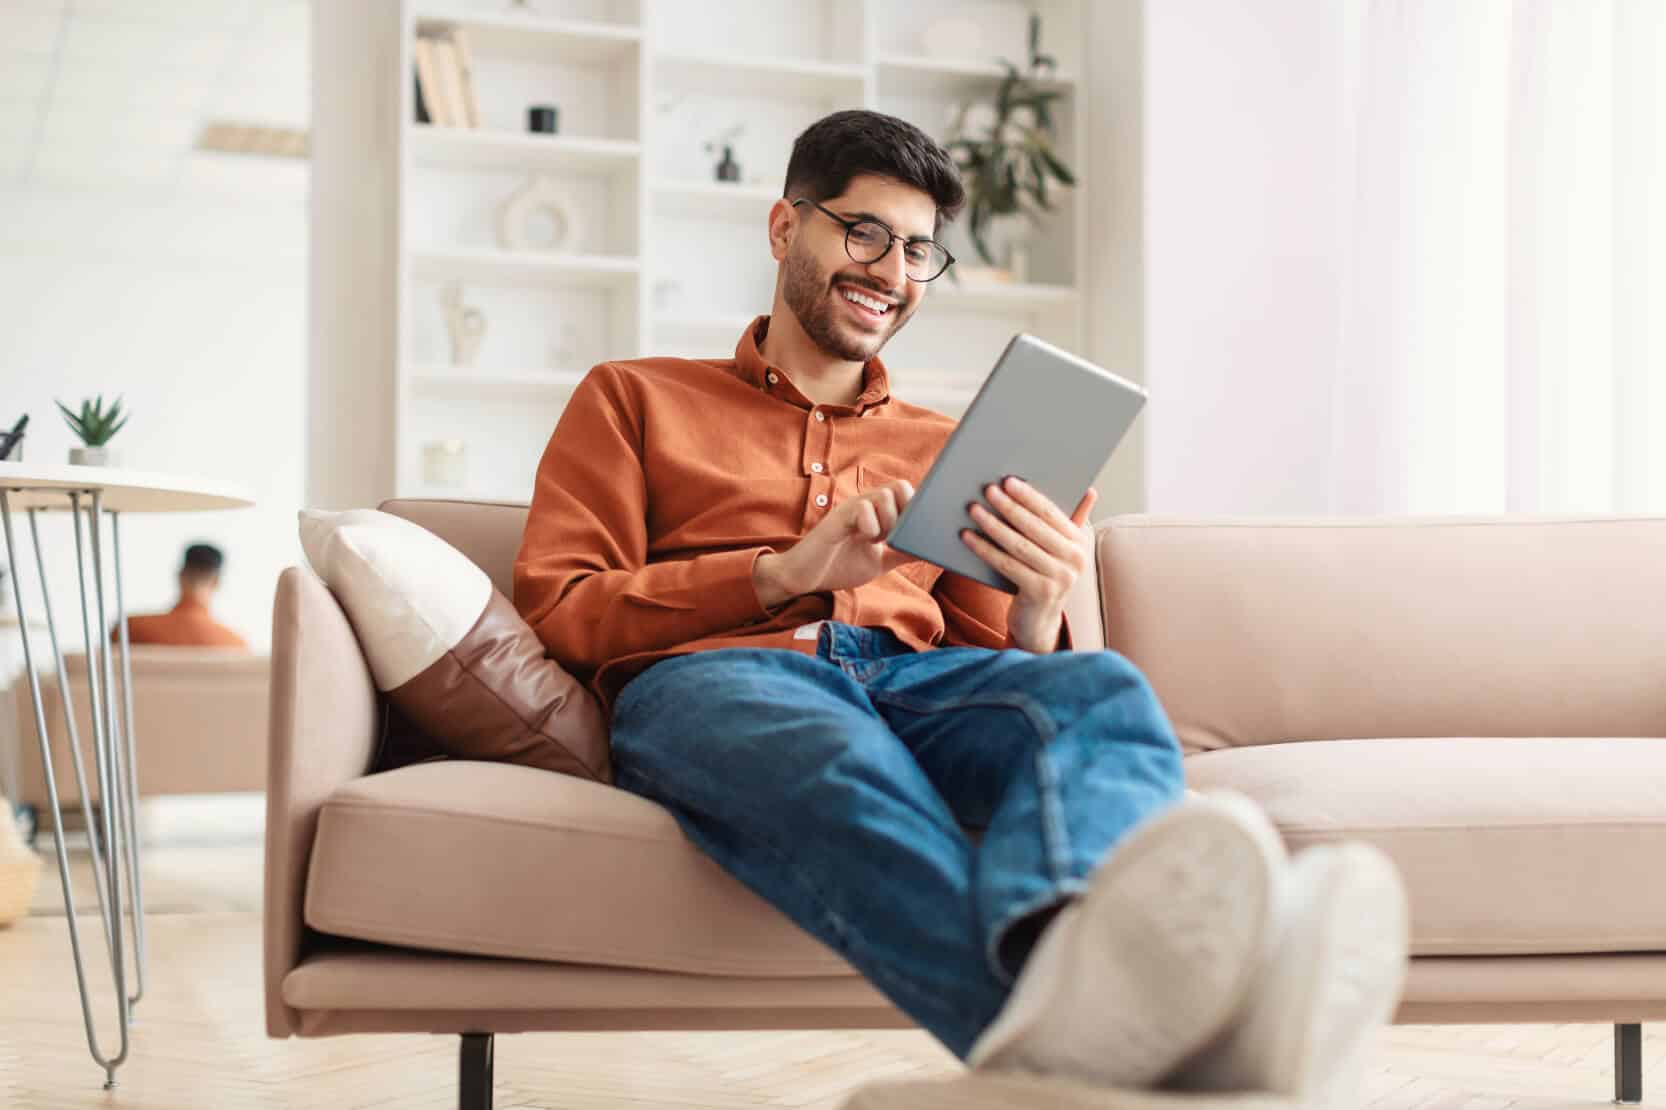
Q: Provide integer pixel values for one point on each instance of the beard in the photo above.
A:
(809, 294)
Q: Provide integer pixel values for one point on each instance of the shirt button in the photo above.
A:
(821, 416)
(773, 377)
(821, 500)
(817, 467)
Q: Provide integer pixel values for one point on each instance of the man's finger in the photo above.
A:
(866, 522)
(1085, 506)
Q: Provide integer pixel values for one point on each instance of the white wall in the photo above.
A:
(1243, 181)
(191, 304)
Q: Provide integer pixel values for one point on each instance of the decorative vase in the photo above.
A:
(540, 215)
(445, 463)
(465, 324)
(91, 456)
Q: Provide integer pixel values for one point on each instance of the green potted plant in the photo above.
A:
(94, 425)
(1005, 152)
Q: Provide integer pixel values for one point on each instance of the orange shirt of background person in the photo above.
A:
(189, 623)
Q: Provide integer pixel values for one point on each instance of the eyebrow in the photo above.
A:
(878, 219)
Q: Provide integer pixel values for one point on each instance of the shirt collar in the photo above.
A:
(876, 382)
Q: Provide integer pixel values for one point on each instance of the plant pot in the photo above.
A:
(91, 456)
(1009, 238)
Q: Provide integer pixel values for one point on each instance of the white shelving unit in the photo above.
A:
(663, 258)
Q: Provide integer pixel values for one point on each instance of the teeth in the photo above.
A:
(866, 302)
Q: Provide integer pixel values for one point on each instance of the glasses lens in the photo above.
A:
(866, 241)
(926, 260)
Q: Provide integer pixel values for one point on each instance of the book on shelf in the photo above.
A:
(451, 80)
(428, 81)
(465, 69)
(422, 115)
(445, 80)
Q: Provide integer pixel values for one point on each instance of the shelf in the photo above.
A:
(1013, 297)
(918, 76)
(743, 75)
(530, 37)
(459, 148)
(490, 266)
(454, 380)
(712, 199)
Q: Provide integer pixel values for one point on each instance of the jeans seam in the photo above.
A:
(1055, 830)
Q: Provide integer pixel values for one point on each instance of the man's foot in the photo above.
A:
(1332, 975)
(1154, 959)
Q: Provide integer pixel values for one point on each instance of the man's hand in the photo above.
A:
(845, 549)
(1039, 549)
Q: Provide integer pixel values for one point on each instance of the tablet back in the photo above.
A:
(1044, 415)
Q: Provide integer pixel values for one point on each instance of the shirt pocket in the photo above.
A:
(919, 572)
(871, 477)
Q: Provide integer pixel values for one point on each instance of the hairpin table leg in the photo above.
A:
(110, 798)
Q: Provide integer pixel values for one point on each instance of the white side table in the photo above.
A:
(91, 494)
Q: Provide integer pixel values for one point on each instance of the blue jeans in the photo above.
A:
(906, 808)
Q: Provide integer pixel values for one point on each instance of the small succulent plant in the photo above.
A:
(95, 425)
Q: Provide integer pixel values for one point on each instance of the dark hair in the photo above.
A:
(848, 144)
(202, 559)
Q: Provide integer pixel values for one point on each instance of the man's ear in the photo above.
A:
(783, 221)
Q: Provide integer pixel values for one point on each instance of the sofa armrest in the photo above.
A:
(323, 733)
(1084, 608)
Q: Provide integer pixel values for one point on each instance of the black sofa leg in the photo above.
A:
(1628, 1063)
(474, 1072)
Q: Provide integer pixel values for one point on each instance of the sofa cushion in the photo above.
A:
(449, 649)
(1507, 846)
(498, 860)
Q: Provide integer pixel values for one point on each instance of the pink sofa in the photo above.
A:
(1483, 699)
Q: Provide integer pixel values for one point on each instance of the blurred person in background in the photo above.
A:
(189, 623)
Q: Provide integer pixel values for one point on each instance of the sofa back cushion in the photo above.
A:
(1261, 631)
(488, 532)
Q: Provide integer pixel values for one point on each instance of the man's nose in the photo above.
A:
(892, 270)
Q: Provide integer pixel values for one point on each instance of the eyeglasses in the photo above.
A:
(867, 241)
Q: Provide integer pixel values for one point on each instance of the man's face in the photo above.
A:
(821, 277)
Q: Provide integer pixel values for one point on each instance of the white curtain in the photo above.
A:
(1502, 335)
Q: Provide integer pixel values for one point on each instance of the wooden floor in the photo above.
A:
(199, 1041)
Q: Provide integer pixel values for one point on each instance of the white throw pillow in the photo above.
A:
(449, 650)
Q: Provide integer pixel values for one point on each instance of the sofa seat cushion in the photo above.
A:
(1507, 846)
(498, 859)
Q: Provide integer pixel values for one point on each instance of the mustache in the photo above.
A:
(865, 283)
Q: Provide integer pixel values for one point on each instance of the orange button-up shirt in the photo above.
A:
(187, 624)
(665, 480)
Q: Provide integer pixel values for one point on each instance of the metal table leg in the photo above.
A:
(114, 846)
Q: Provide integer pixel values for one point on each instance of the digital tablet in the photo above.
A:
(1043, 415)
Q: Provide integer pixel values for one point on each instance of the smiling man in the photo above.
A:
(910, 765)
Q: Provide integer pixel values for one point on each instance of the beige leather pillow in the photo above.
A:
(450, 651)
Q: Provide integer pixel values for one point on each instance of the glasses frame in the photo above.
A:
(851, 225)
